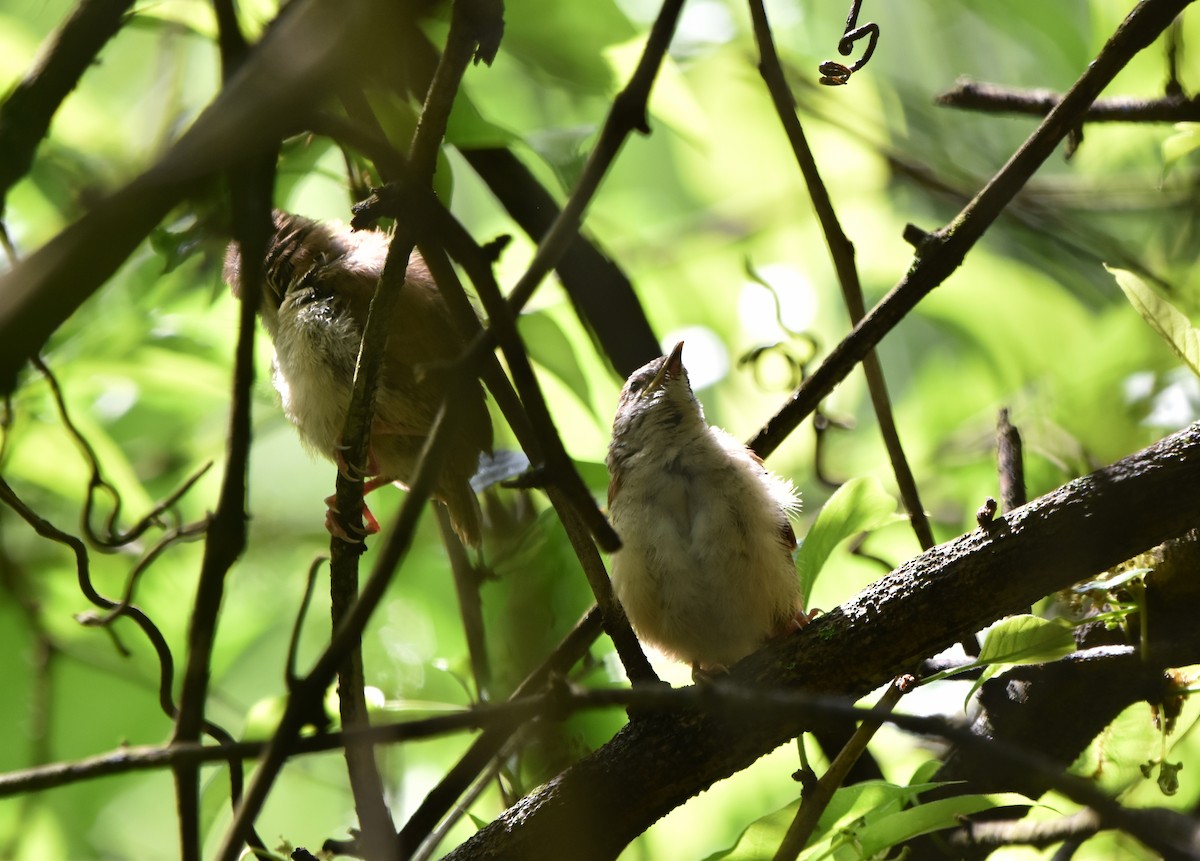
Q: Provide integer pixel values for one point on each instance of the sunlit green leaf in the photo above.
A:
(862, 820)
(1163, 317)
(1186, 140)
(1027, 640)
(890, 830)
(1022, 639)
(1110, 583)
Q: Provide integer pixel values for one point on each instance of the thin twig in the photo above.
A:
(1010, 463)
(426, 850)
(374, 816)
(997, 99)
(252, 182)
(977, 835)
(628, 114)
(311, 688)
(616, 625)
(310, 582)
(158, 642)
(816, 802)
(180, 534)
(111, 539)
(441, 798)
(842, 252)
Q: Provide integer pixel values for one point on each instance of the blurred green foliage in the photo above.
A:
(1032, 321)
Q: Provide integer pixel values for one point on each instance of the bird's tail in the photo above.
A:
(465, 513)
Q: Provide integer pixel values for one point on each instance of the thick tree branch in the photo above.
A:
(654, 764)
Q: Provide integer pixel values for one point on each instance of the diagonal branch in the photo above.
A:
(26, 114)
(943, 252)
(278, 86)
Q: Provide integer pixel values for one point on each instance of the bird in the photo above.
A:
(318, 281)
(705, 572)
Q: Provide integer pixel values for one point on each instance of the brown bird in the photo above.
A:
(317, 286)
(705, 570)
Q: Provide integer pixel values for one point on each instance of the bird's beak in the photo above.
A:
(672, 367)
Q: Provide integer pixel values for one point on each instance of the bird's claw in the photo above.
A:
(333, 523)
(351, 472)
(708, 675)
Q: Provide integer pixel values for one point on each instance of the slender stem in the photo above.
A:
(816, 802)
(842, 252)
(375, 818)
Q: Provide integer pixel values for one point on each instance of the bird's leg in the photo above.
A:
(353, 473)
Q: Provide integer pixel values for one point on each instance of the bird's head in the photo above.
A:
(657, 402)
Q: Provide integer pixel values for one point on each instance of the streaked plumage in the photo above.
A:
(319, 280)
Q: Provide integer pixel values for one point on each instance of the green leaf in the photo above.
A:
(848, 805)
(550, 347)
(1027, 640)
(1186, 140)
(1108, 584)
(1162, 316)
(858, 505)
(467, 128)
(1022, 640)
(890, 830)
(867, 817)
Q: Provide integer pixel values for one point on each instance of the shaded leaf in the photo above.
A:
(858, 505)
(550, 347)
(893, 829)
(848, 805)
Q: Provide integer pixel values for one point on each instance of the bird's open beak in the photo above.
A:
(670, 368)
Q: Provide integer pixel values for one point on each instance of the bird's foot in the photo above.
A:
(351, 472)
(334, 526)
(708, 675)
(794, 624)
